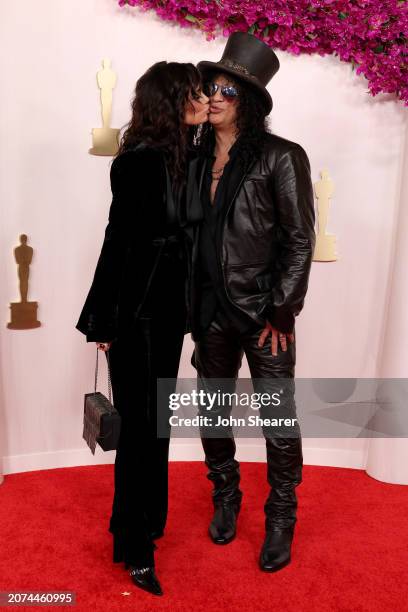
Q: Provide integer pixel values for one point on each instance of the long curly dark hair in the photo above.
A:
(252, 123)
(158, 110)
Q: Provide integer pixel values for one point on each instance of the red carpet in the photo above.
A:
(350, 552)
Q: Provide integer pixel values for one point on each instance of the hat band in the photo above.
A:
(230, 64)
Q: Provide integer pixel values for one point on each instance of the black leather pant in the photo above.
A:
(218, 355)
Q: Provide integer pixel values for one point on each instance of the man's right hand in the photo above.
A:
(104, 346)
(277, 337)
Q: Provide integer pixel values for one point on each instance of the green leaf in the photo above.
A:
(343, 15)
(378, 49)
(265, 31)
(191, 18)
(252, 29)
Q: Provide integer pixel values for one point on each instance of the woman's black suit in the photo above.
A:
(147, 332)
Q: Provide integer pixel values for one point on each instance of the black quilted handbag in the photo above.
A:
(101, 419)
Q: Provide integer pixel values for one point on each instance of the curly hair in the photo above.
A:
(251, 123)
(158, 110)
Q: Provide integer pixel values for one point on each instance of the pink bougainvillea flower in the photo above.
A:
(370, 34)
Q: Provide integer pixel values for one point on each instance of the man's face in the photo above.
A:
(223, 109)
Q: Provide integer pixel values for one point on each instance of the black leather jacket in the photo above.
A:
(266, 245)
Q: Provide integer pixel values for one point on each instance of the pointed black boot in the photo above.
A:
(223, 527)
(145, 578)
(276, 550)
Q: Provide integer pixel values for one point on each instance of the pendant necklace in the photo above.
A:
(216, 174)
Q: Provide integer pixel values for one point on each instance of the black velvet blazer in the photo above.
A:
(137, 218)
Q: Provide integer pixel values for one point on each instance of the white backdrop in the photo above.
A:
(58, 194)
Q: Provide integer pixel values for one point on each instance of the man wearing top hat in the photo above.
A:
(251, 263)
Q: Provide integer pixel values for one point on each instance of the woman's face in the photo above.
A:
(197, 108)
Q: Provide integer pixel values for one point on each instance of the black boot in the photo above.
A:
(224, 474)
(223, 526)
(145, 578)
(275, 553)
(285, 460)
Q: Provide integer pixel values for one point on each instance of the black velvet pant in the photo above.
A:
(150, 350)
(218, 355)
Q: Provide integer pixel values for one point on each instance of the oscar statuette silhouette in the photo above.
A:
(23, 313)
(105, 140)
(325, 249)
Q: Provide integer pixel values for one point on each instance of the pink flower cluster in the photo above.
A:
(370, 34)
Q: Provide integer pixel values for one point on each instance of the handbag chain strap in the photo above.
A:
(109, 376)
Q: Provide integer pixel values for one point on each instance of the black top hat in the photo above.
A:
(249, 59)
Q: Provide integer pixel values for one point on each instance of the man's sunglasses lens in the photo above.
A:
(228, 91)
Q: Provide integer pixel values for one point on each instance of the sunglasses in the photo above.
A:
(228, 91)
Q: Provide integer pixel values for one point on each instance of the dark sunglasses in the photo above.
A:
(227, 91)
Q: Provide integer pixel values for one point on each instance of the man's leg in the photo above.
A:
(272, 374)
(218, 355)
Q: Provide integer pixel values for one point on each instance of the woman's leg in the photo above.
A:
(164, 321)
(166, 338)
(129, 368)
(139, 509)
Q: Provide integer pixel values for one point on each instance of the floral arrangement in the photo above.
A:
(370, 34)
